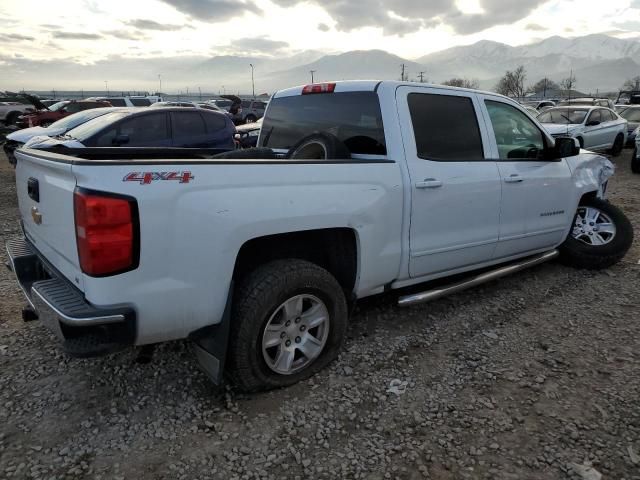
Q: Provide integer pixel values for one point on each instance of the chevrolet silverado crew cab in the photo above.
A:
(355, 188)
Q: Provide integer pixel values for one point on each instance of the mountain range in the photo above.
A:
(599, 62)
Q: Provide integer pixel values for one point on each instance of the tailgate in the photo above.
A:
(45, 197)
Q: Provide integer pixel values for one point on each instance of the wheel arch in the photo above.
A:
(334, 249)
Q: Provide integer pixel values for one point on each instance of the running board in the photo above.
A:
(475, 280)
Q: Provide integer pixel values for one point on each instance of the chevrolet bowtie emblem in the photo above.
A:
(36, 215)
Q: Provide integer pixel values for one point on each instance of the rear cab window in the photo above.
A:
(354, 117)
(140, 102)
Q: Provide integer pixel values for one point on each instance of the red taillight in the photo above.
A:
(319, 88)
(105, 233)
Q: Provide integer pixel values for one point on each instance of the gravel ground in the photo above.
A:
(536, 376)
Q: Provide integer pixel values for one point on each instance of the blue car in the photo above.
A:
(167, 127)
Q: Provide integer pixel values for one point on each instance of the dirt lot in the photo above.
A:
(526, 378)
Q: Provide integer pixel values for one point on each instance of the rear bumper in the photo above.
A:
(83, 329)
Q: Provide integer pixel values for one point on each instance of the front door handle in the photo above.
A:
(513, 178)
(429, 183)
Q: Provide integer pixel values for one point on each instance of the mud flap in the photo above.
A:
(210, 344)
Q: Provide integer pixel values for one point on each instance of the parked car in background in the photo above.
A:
(632, 115)
(628, 97)
(248, 134)
(595, 128)
(13, 106)
(540, 105)
(20, 137)
(252, 111)
(163, 127)
(203, 105)
(531, 110)
(47, 116)
(125, 101)
(596, 102)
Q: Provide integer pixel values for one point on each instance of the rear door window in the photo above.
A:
(73, 107)
(215, 122)
(143, 131)
(445, 127)
(353, 117)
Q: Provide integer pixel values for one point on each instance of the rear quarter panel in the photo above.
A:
(190, 233)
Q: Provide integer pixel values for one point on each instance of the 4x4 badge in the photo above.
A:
(145, 178)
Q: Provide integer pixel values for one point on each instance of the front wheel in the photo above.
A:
(601, 235)
(289, 321)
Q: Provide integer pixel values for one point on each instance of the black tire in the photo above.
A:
(12, 118)
(581, 142)
(319, 146)
(46, 123)
(250, 119)
(618, 145)
(260, 294)
(576, 253)
(635, 161)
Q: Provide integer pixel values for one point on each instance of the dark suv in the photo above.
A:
(45, 117)
(146, 127)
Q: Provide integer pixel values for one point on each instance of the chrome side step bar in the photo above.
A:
(475, 280)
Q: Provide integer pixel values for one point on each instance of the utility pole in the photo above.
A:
(160, 83)
(421, 75)
(312, 72)
(106, 87)
(187, 93)
(402, 78)
(253, 85)
(200, 93)
(544, 89)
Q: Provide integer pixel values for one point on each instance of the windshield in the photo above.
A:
(72, 121)
(88, 129)
(57, 106)
(631, 114)
(563, 115)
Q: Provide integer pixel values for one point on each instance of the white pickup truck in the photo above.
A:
(360, 188)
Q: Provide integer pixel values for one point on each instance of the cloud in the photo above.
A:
(635, 4)
(14, 37)
(144, 24)
(259, 45)
(406, 16)
(323, 27)
(126, 35)
(535, 27)
(496, 12)
(631, 25)
(50, 26)
(76, 36)
(213, 10)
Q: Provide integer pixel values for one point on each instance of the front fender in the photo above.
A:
(590, 172)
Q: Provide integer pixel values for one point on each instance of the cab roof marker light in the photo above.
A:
(318, 88)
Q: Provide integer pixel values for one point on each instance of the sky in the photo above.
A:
(88, 31)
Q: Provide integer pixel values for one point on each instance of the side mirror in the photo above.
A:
(566, 147)
(121, 139)
(593, 123)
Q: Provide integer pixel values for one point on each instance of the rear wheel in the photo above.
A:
(250, 119)
(581, 142)
(618, 145)
(289, 321)
(319, 146)
(600, 237)
(46, 123)
(635, 161)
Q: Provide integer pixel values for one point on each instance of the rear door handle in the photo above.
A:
(429, 183)
(513, 178)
